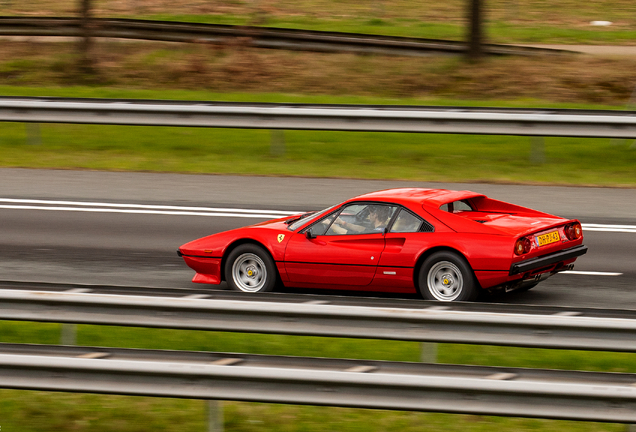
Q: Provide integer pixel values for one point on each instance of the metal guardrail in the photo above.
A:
(369, 118)
(378, 301)
(259, 37)
(432, 323)
(588, 396)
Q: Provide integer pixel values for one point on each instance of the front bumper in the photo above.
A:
(208, 269)
(547, 260)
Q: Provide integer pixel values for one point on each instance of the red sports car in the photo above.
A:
(448, 245)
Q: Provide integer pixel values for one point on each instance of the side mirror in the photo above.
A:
(309, 235)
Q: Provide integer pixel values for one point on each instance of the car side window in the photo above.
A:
(406, 222)
(362, 219)
(457, 206)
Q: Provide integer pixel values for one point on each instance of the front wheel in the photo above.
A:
(446, 276)
(249, 268)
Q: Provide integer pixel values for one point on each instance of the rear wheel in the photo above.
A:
(249, 268)
(446, 276)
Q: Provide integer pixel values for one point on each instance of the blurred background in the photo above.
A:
(588, 60)
(591, 65)
(600, 77)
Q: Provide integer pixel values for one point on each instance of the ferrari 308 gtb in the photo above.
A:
(448, 245)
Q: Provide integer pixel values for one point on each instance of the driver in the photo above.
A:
(378, 220)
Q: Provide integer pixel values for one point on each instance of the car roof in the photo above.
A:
(431, 198)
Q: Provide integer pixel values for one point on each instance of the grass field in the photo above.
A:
(230, 69)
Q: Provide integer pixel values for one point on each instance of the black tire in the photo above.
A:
(249, 268)
(446, 276)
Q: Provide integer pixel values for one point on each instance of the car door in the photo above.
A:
(406, 237)
(343, 248)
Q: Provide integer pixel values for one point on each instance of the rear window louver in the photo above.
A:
(426, 227)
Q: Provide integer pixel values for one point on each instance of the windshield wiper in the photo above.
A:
(292, 220)
(299, 217)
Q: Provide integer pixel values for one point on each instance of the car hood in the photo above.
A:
(214, 245)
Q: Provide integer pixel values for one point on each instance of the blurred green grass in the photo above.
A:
(44, 412)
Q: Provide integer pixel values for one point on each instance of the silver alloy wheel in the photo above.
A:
(249, 272)
(445, 281)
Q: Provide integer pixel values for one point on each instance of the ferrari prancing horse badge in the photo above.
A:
(281, 237)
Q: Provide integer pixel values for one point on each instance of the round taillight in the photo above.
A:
(573, 231)
(522, 246)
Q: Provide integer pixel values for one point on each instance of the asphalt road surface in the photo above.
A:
(124, 228)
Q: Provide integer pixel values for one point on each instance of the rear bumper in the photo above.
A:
(547, 260)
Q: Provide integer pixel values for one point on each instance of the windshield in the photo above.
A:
(300, 222)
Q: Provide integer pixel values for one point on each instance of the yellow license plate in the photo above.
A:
(551, 237)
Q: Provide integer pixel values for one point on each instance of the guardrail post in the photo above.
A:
(69, 334)
(33, 133)
(277, 142)
(215, 416)
(537, 150)
(86, 41)
(631, 105)
(475, 49)
(428, 352)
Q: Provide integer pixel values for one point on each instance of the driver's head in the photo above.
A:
(379, 212)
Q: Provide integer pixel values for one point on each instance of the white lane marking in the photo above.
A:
(609, 228)
(142, 206)
(140, 211)
(591, 273)
(199, 211)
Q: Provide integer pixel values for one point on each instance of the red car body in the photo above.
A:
(484, 243)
